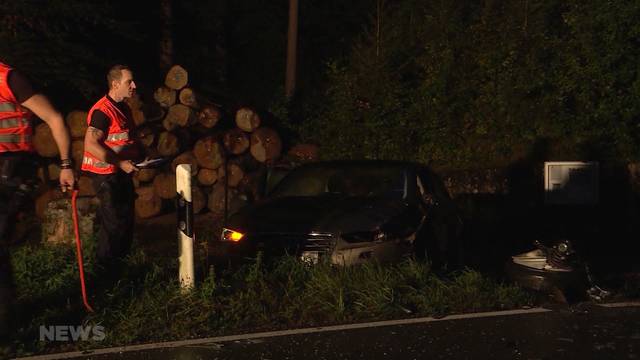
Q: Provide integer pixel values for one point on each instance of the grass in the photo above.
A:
(147, 304)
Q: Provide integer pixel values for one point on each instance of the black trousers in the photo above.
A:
(115, 216)
(17, 181)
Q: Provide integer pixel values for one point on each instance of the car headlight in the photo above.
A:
(231, 235)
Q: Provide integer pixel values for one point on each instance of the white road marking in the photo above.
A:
(620, 304)
(269, 334)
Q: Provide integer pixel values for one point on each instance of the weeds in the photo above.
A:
(44, 271)
(147, 304)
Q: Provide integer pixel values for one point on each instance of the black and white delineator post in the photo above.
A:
(185, 225)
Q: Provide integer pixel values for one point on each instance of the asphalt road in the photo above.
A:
(583, 332)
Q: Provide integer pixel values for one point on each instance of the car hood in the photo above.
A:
(321, 214)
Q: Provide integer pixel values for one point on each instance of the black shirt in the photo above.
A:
(20, 86)
(99, 120)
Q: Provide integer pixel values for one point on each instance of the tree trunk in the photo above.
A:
(186, 158)
(165, 185)
(292, 43)
(53, 171)
(147, 204)
(166, 34)
(168, 124)
(153, 111)
(207, 177)
(77, 122)
(216, 198)
(177, 78)
(188, 97)
(168, 144)
(57, 223)
(199, 199)
(235, 174)
(77, 152)
(180, 115)
(165, 96)
(266, 145)
(247, 162)
(208, 153)
(236, 141)
(209, 116)
(145, 175)
(135, 105)
(44, 198)
(247, 119)
(252, 184)
(146, 136)
(43, 141)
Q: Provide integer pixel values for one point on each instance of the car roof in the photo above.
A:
(362, 163)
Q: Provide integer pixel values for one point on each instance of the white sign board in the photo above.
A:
(571, 182)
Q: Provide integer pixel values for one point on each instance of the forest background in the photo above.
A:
(455, 84)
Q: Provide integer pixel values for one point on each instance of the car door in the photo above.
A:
(409, 223)
(442, 215)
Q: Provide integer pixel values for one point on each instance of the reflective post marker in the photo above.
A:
(185, 225)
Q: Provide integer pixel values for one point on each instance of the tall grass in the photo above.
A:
(147, 304)
(290, 293)
(43, 271)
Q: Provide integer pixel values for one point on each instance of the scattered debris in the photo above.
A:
(556, 270)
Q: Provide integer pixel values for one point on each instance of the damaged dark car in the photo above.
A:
(349, 212)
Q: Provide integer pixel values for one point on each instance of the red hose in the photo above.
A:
(79, 249)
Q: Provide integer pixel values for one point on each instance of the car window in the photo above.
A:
(353, 181)
(439, 195)
(273, 177)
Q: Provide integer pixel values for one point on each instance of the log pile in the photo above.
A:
(224, 146)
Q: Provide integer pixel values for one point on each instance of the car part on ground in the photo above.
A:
(557, 270)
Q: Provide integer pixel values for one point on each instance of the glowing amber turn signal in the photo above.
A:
(231, 235)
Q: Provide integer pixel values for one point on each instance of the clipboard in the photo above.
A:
(151, 163)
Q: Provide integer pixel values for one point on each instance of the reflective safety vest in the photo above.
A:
(119, 138)
(15, 120)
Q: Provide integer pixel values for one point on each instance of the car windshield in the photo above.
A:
(361, 181)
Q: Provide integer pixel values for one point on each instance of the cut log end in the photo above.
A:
(188, 97)
(207, 177)
(247, 119)
(235, 174)
(177, 77)
(165, 185)
(208, 153)
(208, 116)
(168, 144)
(236, 141)
(179, 114)
(77, 123)
(266, 145)
(148, 203)
(186, 158)
(165, 96)
(43, 141)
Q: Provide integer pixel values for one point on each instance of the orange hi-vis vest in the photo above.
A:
(119, 138)
(15, 120)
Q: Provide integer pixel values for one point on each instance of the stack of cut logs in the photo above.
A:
(188, 129)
